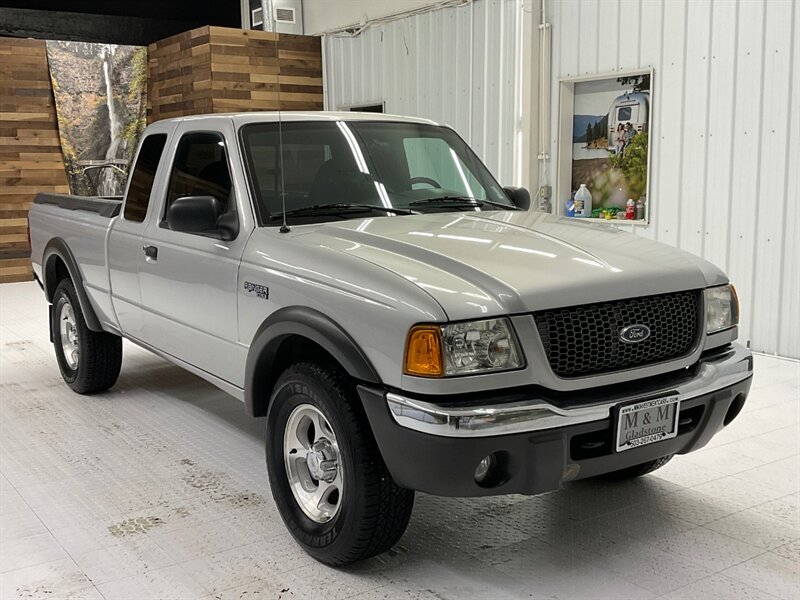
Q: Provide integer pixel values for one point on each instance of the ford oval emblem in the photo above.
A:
(633, 334)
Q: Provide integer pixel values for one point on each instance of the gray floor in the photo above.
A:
(157, 489)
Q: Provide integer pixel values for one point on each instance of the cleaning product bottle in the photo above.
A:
(583, 202)
(570, 207)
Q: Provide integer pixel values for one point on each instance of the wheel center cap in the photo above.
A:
(322, 461)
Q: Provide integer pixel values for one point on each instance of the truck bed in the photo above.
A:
(108, 206)
(78, 225)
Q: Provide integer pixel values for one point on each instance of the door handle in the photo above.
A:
(150, 252)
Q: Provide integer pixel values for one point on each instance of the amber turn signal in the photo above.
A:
(424, 356)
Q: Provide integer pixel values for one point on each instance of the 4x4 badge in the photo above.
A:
(633, 334)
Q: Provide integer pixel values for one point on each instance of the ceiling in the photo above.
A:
(135, 22)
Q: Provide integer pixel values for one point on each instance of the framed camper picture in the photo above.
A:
(603, 154)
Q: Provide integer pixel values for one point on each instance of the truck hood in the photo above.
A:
(510, 262)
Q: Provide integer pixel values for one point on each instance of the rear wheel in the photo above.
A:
(639, 470)
(327, 476)
(89, 361)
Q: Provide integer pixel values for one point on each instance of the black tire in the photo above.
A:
(373, 510)
(99, 353)
(639, 470)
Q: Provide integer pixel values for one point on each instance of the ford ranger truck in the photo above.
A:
(401, 320)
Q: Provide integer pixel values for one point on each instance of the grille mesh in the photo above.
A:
(584, 340)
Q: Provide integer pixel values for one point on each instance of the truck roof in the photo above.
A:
(286, 116)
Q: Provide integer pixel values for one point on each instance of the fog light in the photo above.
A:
(484, 468)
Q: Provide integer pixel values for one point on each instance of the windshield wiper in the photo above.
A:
(500, 204)
(341, 208)
(463, 201)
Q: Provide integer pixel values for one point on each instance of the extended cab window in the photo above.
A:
(201, 169)
(142, 177)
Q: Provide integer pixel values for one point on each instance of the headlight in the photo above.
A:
(462, 348)
(722, 308)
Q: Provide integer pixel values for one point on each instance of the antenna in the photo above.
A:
(284, 226)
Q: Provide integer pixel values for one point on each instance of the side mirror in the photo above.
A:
(194, 214)
(520, 196)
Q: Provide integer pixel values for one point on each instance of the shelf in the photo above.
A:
(618, 222)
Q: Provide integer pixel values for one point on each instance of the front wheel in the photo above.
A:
(327, 476)
(89, 361)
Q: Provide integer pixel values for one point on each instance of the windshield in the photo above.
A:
(336, 170)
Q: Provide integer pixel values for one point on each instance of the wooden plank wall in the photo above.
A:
(216, 69)
(179, 75)
(30, 150)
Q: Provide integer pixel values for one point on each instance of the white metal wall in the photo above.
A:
(458, 66)
(725, 172)
(725, 176)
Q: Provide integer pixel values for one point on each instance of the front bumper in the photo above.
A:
(545, 440)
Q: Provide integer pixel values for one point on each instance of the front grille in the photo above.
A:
(585, 340)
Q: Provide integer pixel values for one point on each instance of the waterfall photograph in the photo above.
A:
(101, 107)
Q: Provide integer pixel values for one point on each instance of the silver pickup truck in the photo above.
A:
(403, 322)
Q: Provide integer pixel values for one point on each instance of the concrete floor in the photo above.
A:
(157, 489)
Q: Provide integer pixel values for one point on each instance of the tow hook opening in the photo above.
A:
(734, 409)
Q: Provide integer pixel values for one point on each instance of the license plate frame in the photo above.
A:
(650, 406)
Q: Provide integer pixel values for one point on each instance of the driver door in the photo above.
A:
(188, 281)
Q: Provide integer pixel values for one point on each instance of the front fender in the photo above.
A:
(260, 376)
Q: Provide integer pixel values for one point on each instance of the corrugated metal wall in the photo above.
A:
(456, 66)
(726, 128)
(725, 173)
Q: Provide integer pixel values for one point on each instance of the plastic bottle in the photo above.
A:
(583, 202)
(640, 210)
(570, 207)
